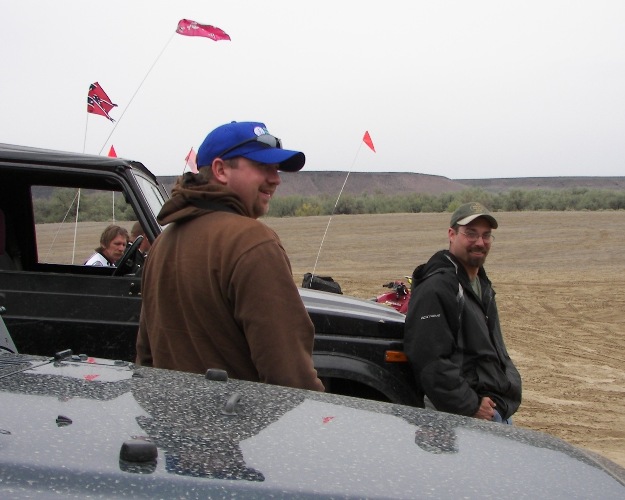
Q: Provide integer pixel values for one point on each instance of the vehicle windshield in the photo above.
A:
(151, 192)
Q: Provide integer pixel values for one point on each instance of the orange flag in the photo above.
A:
(368, 141)
(112, 152)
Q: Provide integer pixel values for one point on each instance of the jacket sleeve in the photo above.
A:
(430, 342)
(142, 345)
(277, 326)
(144, 353)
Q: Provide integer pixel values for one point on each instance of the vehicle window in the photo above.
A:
(69, 221)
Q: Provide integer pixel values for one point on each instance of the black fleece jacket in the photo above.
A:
(454, 343)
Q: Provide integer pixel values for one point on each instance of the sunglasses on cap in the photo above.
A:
(267, 139)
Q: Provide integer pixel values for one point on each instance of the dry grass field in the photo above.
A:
(560, 283)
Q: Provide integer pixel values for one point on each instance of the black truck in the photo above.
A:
(50, 301)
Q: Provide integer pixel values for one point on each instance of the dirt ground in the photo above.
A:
(560, 283)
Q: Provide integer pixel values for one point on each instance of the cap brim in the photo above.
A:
(288, 161)
(491, 220)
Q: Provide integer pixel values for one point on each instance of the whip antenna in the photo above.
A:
(136, 91)
(367, 140)
(186, 27)
(329, 221)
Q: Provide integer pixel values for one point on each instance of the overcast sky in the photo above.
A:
(457, 88)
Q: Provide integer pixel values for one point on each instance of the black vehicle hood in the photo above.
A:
(350, 316)
(64, 423)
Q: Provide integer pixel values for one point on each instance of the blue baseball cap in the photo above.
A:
(250, 140)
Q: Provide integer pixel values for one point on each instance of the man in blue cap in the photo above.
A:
(217, 287)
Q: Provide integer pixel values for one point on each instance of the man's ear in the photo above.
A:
(219, 171)
(451, 233)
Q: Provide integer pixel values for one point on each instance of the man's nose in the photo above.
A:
(273, 176)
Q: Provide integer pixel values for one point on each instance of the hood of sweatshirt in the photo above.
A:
(192, 197)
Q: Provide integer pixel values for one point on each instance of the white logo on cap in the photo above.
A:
(260, 131)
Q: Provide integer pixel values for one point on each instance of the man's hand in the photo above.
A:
(486, 411)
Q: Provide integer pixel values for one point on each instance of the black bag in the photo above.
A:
(323, 283)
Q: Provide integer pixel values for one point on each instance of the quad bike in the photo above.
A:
(399, 296)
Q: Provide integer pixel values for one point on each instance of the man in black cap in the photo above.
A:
(452, 332)
(217, 288)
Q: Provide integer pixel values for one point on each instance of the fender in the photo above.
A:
(365, 372)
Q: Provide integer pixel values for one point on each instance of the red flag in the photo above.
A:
(98, 102)
(368, 141)
(112, 152)
(191, 28)
(191, 161)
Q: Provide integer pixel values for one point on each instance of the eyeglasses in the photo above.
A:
(473, 236)
(267, 139)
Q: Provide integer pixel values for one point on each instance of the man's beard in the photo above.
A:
(475, 261)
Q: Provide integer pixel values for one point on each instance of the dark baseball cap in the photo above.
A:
(468, 212)
(250, 140)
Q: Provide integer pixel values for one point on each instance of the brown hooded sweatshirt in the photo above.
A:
(218, 292)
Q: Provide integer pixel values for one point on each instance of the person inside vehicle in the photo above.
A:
(452, 335)
(217, 289)
(113, 242)
(137, 230)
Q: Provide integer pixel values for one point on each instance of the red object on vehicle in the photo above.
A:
(399, 296)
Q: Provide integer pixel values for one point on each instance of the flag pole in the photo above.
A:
(84, 146)
(84, 141)
(76, 224)
(366, 140)
(185, 27)
(136, 91)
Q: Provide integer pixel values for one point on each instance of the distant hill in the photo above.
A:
(309, 183)
(500, 185)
